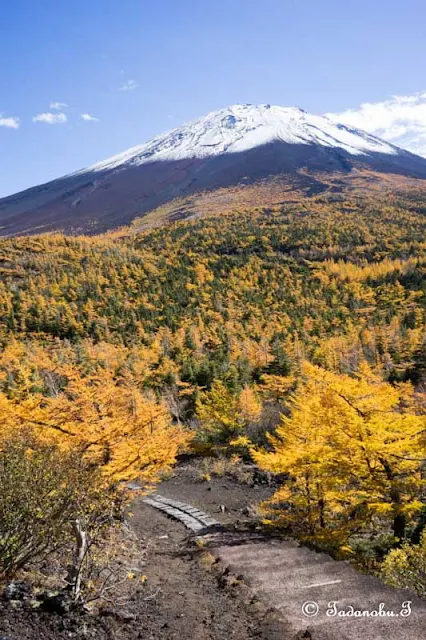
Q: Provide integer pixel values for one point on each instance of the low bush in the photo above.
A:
(46, 495)
(405, 568)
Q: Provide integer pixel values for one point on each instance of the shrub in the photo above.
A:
(43, 493)
(406, 567)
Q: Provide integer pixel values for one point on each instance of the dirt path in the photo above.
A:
(224, 498)
(192, 600)
(184, 597)
(316, 595)
(236, 584)
(312, 591)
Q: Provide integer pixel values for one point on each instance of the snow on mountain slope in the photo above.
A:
(239, 145)
(243, 127)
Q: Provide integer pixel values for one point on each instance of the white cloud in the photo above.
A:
(400, 120)
(88, 118)
(51, 118)
(58, 106)
(129, 85)
(10, 122)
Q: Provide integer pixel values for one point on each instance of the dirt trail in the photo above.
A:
(192, 600)
(183, 598)
(237, 584)
(309, 589)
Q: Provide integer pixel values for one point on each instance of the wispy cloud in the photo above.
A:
(51, 118)
(129, 85)
(88, 118)
(58, 106)
(400, 120)
(9, 122)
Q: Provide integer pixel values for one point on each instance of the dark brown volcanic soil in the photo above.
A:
(230, 498)
(95, 201)
(184, 597)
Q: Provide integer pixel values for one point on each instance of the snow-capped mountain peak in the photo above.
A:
(242, 127)
(233, 147)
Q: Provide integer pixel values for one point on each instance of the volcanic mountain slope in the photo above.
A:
(239, 145)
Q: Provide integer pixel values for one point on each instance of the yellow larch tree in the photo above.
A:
(353, 450)
(223, 415)
(97, 427)
(125, 432)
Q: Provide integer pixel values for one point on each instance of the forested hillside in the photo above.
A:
(233, 296)
(305, 320)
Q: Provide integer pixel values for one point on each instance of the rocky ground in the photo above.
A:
(185, 595)
(231, 497)
(235, 581)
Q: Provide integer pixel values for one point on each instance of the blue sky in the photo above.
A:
(143, 66)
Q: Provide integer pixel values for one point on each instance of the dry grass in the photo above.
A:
(223, 466)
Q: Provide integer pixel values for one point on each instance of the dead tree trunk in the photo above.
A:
(81, 547)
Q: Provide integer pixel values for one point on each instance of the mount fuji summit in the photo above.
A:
(241, 144)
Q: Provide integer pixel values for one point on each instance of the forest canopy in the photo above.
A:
(256, 333)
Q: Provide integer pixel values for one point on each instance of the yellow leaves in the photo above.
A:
(277, 387)
(126, 433)
(241, 442)
(257, 352)
(276, 460)
(349, 443)
(124, 289)
(406, 567)
(381, 508)
(217, 409)
(250, 405)
(368, 271)
(347, 550)
(224, 415)
(203, 274)
(412, 508)
(131, 575)
(202, 277)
